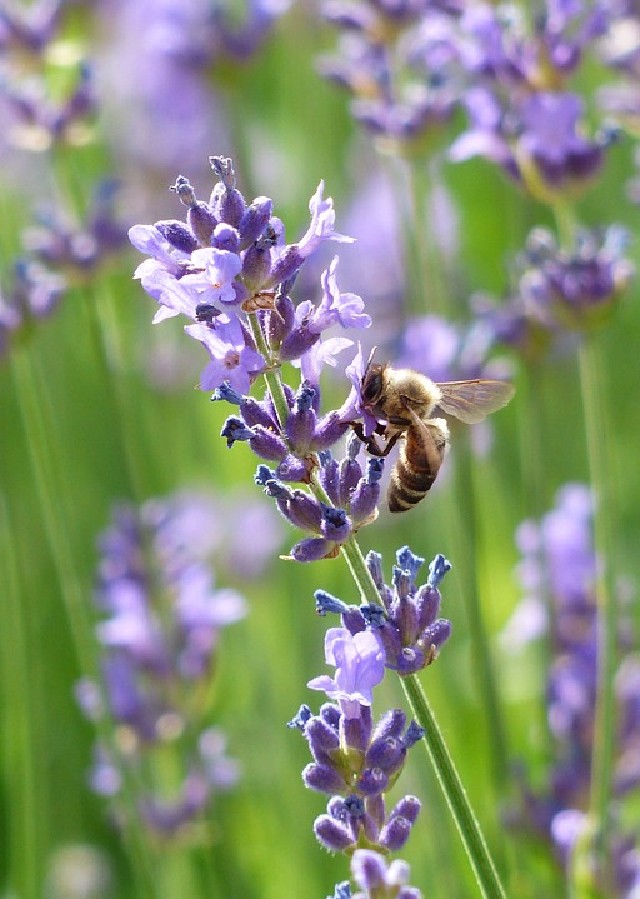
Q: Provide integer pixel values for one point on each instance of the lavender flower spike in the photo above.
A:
(161, 625)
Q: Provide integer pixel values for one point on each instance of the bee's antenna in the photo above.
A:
(370, 359)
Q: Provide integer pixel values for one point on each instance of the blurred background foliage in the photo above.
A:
(98, 406)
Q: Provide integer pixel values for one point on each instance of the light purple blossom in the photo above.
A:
(324, 352)
(353, 407)
(214, 280)
(231, 359)
(322, 225)
(345, 309)
(359, 662)
(374, 874)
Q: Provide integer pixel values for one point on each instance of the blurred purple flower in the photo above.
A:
(558, 572)
(161, 617)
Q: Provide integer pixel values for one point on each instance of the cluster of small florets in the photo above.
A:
(560, 291)
(39, 120)
(57, 254)
(161, 622)
(354, 495)
(229, 270)
(398, 62)
(406, 622)
(559, 561)
(522, 116)
(355, 762)
(410, 66)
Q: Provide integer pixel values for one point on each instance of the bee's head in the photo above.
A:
(372, 382)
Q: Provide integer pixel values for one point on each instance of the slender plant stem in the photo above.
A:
(25, 789)
(51, 490)
(446, 773)
(600, 453)
(271, 375)
(448, 778)
(467, 540)
(532, 452)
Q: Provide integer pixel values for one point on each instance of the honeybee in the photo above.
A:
(402, 401)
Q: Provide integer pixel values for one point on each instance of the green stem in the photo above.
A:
(103, 334)
(600, 453)
(26, 792)
(467, 543)
(462, 813)
(425, 291)
(432, 295)
(601, 465)
(43, 449)
(448, 778)
(446, 773)
(532, 427)
(271, 375)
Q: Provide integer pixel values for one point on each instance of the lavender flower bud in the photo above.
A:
(178, 235)
(329, 478)
(254, 220)
(280, 320)
(396, 832)
(332, 834)
(322, 779)
(313, 549)
(226, 201)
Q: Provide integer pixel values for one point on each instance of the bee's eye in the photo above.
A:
(372, 387)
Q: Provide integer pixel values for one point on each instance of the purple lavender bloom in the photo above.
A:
(373, 874)
(29, 30)
(40, 122)
(559, 291)
(359, 663)
(336, 308)
(401, 65)
(56, 253)
(33, 294)
(232, 359)
(355, 494)
(76, 250)
(500, 45)
(559, 562)
(406, 622)
(233, 255)
(161, 620)
(357, 764)
(254, 273)
(538, 143)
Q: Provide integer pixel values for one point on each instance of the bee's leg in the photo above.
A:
(370, 442)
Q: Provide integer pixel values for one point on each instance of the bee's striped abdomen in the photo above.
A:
(419, 461)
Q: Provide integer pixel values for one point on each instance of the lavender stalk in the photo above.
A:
(230, 271)
(444, 767)
(601, 466)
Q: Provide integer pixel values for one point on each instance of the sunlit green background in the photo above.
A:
(81, 426)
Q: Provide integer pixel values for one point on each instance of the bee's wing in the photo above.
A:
(471, 401)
